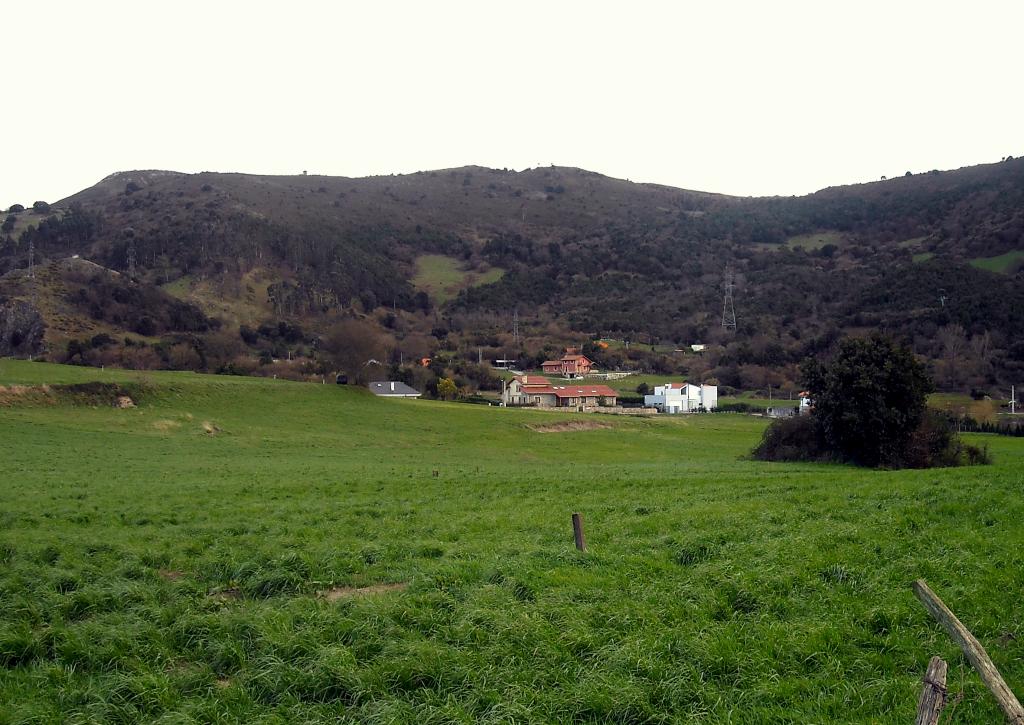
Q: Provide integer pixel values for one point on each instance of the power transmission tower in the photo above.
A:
(131, 259)
(515, 325)
(728, 308)
(1013, 400)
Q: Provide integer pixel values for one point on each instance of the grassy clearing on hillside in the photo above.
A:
(443, 277)
(814, 242)
(243, 304)
(922, 257)
(157, 572)
(1002, 264)
(23, 220)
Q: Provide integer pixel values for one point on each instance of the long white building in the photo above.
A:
(683, 398)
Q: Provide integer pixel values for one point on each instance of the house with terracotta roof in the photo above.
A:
(536, 390)
(570, 365)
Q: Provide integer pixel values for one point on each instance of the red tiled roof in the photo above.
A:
(572, 391)
(584, 391)
(531, 380)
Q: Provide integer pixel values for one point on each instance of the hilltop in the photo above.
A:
(325, 271)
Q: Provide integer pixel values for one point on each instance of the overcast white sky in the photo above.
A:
(742, 98)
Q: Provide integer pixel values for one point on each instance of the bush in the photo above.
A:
(41, 207)
(792, 439)
(935, 445)
(15, 208)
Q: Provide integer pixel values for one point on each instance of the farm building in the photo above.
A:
(571, 365)
(393, 389)
(538, 390)
(683, 398)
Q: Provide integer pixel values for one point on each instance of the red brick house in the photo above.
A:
(571, 365)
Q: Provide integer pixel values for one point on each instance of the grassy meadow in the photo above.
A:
(815, 241)
(442, 278)
(1004, 263)
(252, 550)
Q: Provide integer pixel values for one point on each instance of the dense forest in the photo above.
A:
(307, 275)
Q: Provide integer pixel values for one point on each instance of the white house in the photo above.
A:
(683, 398)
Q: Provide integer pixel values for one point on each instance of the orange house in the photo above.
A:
(571, 365)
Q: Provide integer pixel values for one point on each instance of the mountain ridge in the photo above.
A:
(578, 253)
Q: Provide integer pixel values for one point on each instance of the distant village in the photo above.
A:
(569, 383)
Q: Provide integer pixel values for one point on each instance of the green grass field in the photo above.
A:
(166, 563)
(1003, 263)
(814, 242)
(913, 242)
(443, 277)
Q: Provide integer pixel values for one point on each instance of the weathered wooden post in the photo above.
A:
(975, 653)
(933, 694)
(577, 531)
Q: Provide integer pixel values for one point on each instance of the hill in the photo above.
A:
(243, 549)
(436, 264)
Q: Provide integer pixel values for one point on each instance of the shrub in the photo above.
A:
(15, 208)
(41, 207)
(791, 439)
(932, 444)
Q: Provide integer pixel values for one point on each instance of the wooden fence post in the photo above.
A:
(975, 653)
(933, 694)
(577, 531)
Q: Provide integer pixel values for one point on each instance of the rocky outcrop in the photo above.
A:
(21, 329)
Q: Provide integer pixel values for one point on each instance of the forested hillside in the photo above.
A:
(306, 275)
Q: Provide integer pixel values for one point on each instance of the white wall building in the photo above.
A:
(683, 398)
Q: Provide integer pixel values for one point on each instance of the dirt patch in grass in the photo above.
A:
(568, 426)
(222, 682)
(165, 425)
(231, 594)
(170, 575)
(336, 593)
(209, 428)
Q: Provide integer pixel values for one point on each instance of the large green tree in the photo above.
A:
(868, 400)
